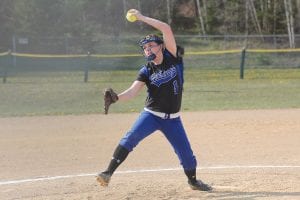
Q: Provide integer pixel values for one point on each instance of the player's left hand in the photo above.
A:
(109, 97)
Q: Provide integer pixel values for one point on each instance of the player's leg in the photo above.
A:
(176, 135)
(144, 126)
(118, 157)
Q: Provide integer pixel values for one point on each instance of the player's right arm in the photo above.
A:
(165, 28)
(132, 91)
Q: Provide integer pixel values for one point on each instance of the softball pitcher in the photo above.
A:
(163, 77)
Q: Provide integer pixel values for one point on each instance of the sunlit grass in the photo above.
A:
(60, 93)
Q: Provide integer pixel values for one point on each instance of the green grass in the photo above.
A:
(60, 93)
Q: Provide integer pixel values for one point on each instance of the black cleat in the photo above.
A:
(103, 178)
(199, 185)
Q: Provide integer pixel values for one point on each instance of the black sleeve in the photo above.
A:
(180, 51)
(143, 74)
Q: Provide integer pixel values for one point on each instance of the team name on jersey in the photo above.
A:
(163, 76)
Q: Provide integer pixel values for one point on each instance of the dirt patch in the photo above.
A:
(250, 154)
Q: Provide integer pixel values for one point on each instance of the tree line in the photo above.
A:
(92, 18)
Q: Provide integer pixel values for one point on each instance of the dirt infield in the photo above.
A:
(252, 154)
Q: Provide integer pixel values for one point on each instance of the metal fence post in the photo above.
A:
(86, 69)
(4, 76)
(14, 50)
(243, 57)
(6, 65)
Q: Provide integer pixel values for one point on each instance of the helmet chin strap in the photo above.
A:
(152, 56)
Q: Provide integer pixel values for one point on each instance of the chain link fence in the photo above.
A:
(44, 54)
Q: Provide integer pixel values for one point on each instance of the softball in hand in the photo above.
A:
(130, 16)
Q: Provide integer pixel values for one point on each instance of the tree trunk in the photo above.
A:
(274, 17)
(169, 11)
(246, 23)
(297, 19)
(200, 17)
(246, 17)
(205, 14)
(125, 10)
(289, 22)
(263, 17)
(292, 24)
(254, 14)
(267, 11)
(236, 23)
(139, 5)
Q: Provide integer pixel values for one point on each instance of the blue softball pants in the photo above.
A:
(172, 129)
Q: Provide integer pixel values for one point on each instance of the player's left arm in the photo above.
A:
(165, 28)
(132, 91)
(111, 97)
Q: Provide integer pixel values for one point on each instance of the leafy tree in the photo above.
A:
(94, 18)
(6, 21)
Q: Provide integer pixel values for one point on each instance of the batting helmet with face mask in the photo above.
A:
(147, 39)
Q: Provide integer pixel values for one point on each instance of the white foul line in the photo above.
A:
(11, 182)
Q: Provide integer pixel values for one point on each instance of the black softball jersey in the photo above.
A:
(164, 83)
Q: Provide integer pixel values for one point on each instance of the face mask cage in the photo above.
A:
(150, 57)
